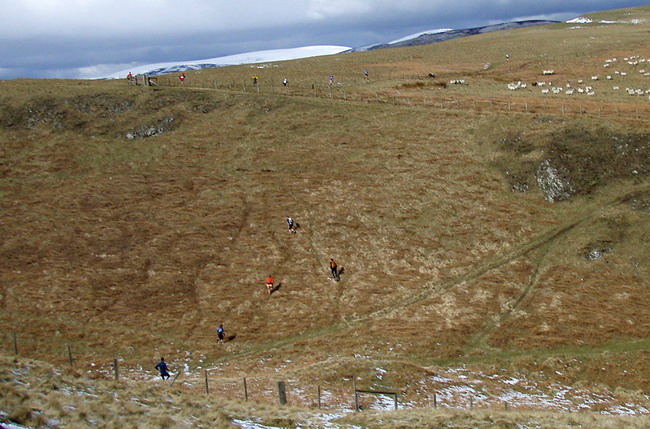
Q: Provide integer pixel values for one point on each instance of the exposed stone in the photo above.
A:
(551, 182)
(145, 131)
(598, 253)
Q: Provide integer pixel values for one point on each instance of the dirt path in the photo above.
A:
(432, 289)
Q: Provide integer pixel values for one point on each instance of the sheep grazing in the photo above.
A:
(615, 88)
(547, 72)
(609, 77)
(594, 78)
(544, 91)
(581, 81)
(513, 86)
(569, 92)
(457, 81)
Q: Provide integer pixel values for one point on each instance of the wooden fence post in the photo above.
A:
(356, 395)
(207, 388)
(282, 395)
(15, 343)
(505, 405)
(70, 355)
(117, 375)
(395, 399)
(245, 390)
(318, 390)
(471, 402)
(174, 380)
(435, 400)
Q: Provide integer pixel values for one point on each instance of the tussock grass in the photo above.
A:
(136, 248)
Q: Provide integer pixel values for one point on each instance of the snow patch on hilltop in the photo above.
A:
(422, 33)
(230, 60)
(580, 20)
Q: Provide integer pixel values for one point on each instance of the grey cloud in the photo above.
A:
(197, 29)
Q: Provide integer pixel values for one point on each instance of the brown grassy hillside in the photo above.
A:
(135, 220)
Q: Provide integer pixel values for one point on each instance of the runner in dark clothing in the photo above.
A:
(162, 367)
(220, 333)
(290, 223)
(334, 269)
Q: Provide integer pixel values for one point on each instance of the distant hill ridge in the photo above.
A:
(441, 36)
(434, 36)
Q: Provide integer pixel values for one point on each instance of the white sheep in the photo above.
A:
(544, 91)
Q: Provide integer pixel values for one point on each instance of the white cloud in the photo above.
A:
(68, 37)
(326, 9)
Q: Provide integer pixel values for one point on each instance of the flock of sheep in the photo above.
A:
(569, 89)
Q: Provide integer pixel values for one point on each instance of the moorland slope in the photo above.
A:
(493, 240)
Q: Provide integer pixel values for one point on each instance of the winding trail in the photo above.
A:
(432, 288)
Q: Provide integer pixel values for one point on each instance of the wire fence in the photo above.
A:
(545, 104)
(266, 388)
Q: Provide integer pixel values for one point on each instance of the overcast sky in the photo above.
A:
(84, 38)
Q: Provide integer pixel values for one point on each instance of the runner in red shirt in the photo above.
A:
(269, 284)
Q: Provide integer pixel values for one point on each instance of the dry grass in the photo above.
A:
(136, 248)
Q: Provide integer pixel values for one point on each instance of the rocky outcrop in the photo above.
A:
(552, 183)
(145, 131)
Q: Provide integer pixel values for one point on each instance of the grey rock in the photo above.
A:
(551, 182)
